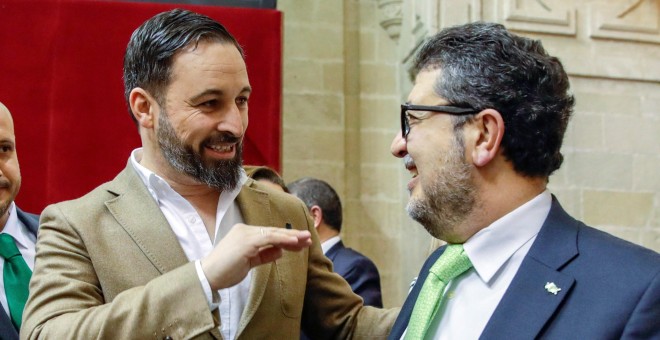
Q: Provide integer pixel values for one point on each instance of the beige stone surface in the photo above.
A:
(599, 170)
(623, 209)
(646, 173)
(344, 78)
(315, 110)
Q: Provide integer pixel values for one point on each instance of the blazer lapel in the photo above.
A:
(528, 304)
(30, 221)
(402, 320)
(255, 209)
(138, 213)
(7, 330)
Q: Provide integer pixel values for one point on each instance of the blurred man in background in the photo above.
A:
(18, 234)
(325, 207)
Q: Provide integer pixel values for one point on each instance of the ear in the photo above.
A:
(144, 107)
(317, 215)
(489, 127)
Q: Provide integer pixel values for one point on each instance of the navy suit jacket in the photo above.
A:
(359, 271)
(7, 330)
(610, 288)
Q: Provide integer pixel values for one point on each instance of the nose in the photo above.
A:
(234, 121)
(399, 147)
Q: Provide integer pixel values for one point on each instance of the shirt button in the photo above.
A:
(168, 338)
(192, 219)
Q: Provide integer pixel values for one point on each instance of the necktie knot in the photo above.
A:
(8, 247)
(452, 263)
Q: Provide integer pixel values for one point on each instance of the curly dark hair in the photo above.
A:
(485, 66)
(148, 58)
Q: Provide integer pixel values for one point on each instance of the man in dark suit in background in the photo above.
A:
(481, 133)
(18, 234)
(325, 207)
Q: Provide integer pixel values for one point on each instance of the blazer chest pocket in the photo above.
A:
(291, 272)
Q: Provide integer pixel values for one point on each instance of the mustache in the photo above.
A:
(5, 183)
(408, 162)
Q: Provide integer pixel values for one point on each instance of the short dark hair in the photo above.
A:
(313, 192)
(148, 58)
(485, 66)
(263, 172)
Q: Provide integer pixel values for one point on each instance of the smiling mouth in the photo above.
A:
(222, 148)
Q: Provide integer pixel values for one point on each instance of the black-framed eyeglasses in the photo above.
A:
(452, 110)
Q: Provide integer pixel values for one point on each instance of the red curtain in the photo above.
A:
(61, 77)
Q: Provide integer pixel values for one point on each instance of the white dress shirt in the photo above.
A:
(329, 243)
(496, 253)
(25, 242)
(191, 233)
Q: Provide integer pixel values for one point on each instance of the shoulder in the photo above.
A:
(600, 246)
(564, 238)
(92, 205)
(90, 201)
(599, 256)
(354, 258)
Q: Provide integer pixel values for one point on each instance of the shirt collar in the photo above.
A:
(15, 227)
(159, 188)
(329, 243)
(490, 248)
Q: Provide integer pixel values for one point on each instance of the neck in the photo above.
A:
(325, 232)
(496, 199)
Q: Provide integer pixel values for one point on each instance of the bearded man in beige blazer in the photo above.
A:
(181, 244)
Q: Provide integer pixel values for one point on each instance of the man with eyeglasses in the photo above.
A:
(481, 134)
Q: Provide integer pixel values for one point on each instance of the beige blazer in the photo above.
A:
(108, 266)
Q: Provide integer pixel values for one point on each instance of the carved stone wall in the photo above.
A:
(346, 71)
(581, 31)
(611, 50)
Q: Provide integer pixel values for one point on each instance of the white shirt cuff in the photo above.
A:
(213, 298)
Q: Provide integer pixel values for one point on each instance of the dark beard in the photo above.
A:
(4, 207)
(449, 199)
(222, 175)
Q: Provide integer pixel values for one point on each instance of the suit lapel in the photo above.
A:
(255, 209)
(30, 221)
(138, 213)
(7, 330)
(527, 301)
(402, 320)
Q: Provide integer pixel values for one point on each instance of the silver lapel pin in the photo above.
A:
(552, 288)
